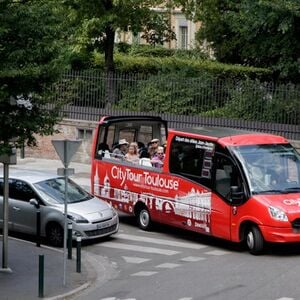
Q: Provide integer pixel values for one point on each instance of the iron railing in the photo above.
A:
(183, 102)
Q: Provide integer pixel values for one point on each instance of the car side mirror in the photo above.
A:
(35, 203)
(236, 195)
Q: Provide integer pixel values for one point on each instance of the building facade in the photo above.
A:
(184, 29)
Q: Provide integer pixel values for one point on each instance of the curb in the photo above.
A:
(71, 293)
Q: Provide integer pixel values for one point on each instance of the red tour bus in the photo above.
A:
(231, 184)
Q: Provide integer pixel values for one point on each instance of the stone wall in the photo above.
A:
(68, 129)
(75, 129)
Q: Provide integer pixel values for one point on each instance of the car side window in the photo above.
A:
(20, 190)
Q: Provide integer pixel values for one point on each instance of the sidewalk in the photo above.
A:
(81, 176)
(22, 282)
(23, 256)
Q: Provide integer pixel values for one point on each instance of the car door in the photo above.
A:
(22, 214)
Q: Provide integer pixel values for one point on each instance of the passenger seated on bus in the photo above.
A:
(157, 160)
(120, 149)
(152, 147)
(102, 147)
(142, 150)
(132, 154)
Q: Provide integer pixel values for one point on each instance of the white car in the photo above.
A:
(28, 190)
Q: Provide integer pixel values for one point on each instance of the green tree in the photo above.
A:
(98, 22)
(261, 33)
(31, 44)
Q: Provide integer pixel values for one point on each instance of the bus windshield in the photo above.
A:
(271, 168)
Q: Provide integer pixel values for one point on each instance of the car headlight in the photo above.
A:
(77, 218)
(278, 214)
(114, 212)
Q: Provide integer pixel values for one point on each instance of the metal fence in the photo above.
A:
(183, 102)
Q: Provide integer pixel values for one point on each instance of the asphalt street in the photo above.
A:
(20, 279)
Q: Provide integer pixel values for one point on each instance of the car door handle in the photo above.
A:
(16, 208)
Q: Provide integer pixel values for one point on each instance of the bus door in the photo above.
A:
(225, 175)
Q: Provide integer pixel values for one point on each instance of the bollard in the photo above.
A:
(38, 227)
(22, 151)
(78, 256)
(70, 241)
(41, 276)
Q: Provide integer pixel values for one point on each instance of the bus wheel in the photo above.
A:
(255, 240)
(144, 219)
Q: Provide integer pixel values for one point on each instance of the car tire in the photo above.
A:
(55, 234)
(254, 240)
(144, 219)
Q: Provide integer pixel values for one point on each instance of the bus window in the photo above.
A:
(192, 158)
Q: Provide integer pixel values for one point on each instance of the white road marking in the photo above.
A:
(168, 266)
(147, 232)
(193, 258)
(116, 245)
(144, 273)
(135, 260)
(217, 252)
(186, 298)
(159, 241)
(114, 298)
(285, 298)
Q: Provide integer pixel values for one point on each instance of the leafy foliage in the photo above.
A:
(260, 33)
(255, 101)
(247, 100)
(182, 65)
(98, 21)
(150, 51)
(31, 44)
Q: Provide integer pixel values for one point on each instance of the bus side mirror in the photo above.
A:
(236, 195)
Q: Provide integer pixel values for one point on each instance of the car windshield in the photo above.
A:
(53, 190)
(270, 168)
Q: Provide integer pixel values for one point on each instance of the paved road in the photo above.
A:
(178, 265)
(171, 264)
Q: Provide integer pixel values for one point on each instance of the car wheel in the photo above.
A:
(254, 240)
(144, 219)
(55, 235)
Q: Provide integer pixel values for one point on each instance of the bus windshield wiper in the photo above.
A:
(271, 191)
(291, 190)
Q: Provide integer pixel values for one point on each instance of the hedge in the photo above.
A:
(186, 67)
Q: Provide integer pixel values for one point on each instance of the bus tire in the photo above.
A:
(144, 219)
(254, 240)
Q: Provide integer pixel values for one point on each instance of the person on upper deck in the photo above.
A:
(157, 160)
(152, 148)
(132, 154)
(121, 149)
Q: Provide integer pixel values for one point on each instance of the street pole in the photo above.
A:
(65, 211)
(5, 216)
(65, 150)
(6, 159)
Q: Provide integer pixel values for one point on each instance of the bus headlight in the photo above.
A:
(278, 214)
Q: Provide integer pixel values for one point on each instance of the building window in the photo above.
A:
(84, 133)
(183, 37)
